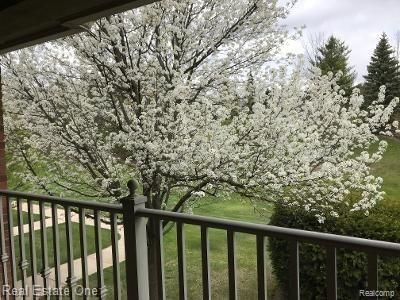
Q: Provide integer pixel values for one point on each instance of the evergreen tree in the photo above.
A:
(382, 70)
(333, 57)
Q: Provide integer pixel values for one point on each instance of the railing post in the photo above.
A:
(294, 270)
(373, 272)
(137, 274)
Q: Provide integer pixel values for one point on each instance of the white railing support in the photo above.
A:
(137, 273)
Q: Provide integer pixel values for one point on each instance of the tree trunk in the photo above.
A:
(154, 238)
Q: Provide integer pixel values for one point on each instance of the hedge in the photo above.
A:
(383, 223)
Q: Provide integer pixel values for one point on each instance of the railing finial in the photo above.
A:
(132, 187)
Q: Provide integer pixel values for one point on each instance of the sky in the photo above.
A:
(359, 23)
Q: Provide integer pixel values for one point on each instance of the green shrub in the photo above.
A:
(383, 223)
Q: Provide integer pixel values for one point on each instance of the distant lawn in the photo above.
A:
(389, 169)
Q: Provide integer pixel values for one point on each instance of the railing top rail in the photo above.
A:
(326, 239)
(109, 207)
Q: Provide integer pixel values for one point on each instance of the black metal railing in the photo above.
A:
(135, 219)
(331, 242)
(52, 211)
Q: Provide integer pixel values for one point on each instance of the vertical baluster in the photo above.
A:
(71, 280)
(373, 272)
(331, 275)
(205, 263)
(294, 278)
(160, 245)
(56, 246)
(261, 267)
(83, 242)
(43, 238)
(231, 265)
(32, 242)
(115, 256)
(23, 264)
(180, 238)
(99, 256)
(12, 246)
(4, 255)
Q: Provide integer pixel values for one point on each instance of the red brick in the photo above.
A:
(3, 185)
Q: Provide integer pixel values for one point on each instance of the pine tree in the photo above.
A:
(382, 70)
(333, 57)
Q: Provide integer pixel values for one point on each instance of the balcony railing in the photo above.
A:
(52, 212)
(134, 217)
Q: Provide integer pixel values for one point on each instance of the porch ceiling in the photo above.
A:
(27, 22)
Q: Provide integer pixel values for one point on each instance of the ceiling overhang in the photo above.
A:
(25, 23)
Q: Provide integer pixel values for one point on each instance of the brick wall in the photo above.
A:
(3, 185)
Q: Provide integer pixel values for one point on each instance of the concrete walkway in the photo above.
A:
(91, 259)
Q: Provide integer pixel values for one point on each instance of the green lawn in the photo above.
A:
(389, 169)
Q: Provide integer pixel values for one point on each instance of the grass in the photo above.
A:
(90, 234)
(389, 169)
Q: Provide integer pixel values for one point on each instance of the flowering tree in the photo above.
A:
(157, 93)
(143, 92)
(289, 146)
